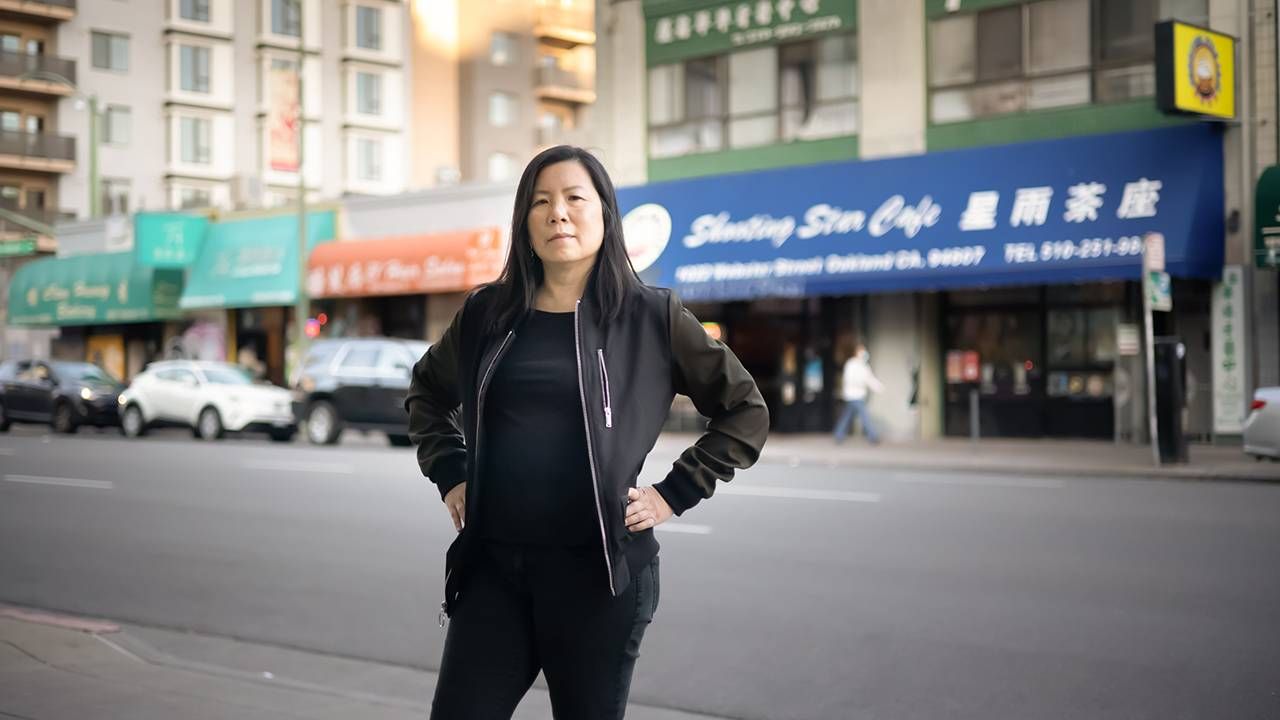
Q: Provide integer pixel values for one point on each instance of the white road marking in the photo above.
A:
(684, 528)
(799, 493)
(61, 482)
(1037, 483)
(303, 467)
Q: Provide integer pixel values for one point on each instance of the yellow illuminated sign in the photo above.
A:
(1197, 70)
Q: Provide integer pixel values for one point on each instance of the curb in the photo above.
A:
(1140, 473)
(64, 622)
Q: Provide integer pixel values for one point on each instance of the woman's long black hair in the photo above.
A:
(611, 278)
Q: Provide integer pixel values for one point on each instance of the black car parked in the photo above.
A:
(65, 395)
(357, 383)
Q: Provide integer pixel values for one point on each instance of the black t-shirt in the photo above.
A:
(535, 485)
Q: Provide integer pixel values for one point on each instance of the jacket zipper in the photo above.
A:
(591, 458)
(484, 382)
(604, 386)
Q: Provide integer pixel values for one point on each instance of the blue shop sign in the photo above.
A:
(1058, 211)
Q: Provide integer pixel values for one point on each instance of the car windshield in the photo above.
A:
(226, 375)
(85, 372)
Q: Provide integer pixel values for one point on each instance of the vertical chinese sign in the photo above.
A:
(1228, 352)
(282, 118)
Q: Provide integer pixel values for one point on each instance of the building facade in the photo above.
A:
(956, 183)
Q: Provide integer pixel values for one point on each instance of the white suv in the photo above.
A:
(208, 397)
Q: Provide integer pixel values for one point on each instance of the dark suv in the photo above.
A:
(65, 395)
(357, 383)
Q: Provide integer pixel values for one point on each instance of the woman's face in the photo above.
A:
(566, 220)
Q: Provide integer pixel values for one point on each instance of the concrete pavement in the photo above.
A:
(55, 666)
(1064, 458)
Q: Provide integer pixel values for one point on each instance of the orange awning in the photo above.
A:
(406, 265)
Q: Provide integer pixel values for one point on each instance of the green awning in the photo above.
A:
(252, 262)
(93, 289)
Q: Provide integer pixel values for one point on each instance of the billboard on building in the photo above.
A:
(282, 119)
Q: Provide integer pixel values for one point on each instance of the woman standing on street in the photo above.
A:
(564, 370)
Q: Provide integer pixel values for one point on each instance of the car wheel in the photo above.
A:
(283, 435)
(209, 424)
(323, 425)
(399, 440)
(4, 419)
(132, 423)
(63, 420)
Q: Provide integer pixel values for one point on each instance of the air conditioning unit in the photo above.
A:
(246, 192)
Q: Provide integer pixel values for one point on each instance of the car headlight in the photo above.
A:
(121, 400)
(86, 393)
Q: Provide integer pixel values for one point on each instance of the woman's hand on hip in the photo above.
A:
(456, 501)
(646, 508)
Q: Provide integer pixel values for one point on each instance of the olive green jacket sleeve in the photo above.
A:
(723, 391)
(434, 417)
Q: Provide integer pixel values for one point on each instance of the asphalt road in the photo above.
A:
(798, 592)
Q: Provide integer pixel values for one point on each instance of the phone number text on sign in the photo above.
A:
(1057, 250)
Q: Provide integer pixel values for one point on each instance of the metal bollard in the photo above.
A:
(975, 430)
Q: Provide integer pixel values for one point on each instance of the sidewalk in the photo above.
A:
(1062, 458)
(64, 668)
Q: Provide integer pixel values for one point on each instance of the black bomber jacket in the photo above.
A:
(629, 371)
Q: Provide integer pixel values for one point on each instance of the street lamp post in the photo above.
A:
(95, 196)
(302, 304)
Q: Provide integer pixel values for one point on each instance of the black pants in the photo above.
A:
(523, 609)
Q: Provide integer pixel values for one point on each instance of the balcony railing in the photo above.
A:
(565, 27)
(48, 216)
(17, 64)
(556, 83)
(37, 145)
(45, 9)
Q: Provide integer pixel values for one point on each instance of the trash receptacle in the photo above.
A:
(1170, 398)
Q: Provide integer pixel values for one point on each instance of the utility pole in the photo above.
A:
(301, 308)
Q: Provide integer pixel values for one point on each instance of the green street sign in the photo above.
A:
(1266, 237)
(1159, 290)
(17, 248)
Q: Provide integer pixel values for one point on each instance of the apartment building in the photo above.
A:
(196, 99)
(958, 184)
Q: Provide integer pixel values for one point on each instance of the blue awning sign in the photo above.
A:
(1055, 211)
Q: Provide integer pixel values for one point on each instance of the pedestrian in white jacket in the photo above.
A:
(857, 383)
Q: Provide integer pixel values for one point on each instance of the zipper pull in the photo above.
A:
(608, 417)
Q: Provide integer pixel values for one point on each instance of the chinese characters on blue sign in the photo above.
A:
(1055, 211)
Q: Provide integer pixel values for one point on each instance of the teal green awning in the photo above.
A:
(168, 239)
(96, 289)
(252, 262)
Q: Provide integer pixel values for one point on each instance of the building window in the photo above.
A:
(195, 10)
(110, 51)
(502, 109)
(1046, 54)
(368, 93)
(286, 18)
(194, 64)
(502, 167)
(368, 28)
(194, 137)
(117, 125)
(686, 107)
(369, 159)
(190, 197)
(501, 45)
(10, 120)
(818, 88)
(115, 196)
